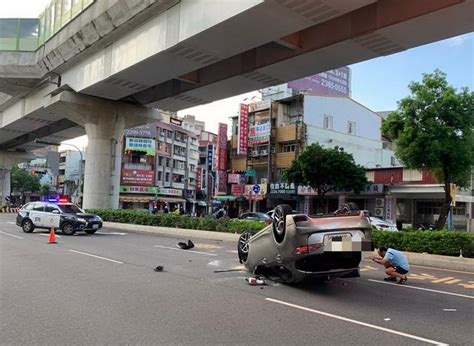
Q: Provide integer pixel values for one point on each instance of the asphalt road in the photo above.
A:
(101, 289)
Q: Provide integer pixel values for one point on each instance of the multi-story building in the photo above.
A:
(71, 174)
(159, 167)
(206, 170)
(279, 129)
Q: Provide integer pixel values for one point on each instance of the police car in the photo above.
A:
(64, 216)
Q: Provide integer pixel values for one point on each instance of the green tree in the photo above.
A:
(23, 181)
(44, 190)
(433, 129)
(326, 170)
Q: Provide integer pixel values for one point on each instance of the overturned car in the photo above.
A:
(296, 246)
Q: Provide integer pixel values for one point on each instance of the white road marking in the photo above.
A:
(373, 326)
(47, 235)
(11, 222)
(175, 248)
(112, 233)
(12, 235)
(95, 256)
(422, 289)
(450, 310)
(436, 269)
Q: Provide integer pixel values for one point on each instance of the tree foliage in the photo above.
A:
(45, 189)
(433, 129)
(23, 181)
(326, 170)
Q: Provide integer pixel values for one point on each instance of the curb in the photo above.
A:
(423, 259)
(9, 210)
(174, 232)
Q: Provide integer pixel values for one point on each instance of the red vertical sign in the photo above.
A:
(199, 178)
(222, 148)
(243, 129)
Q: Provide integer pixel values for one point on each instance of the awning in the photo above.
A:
(202, 203)
(225, 198)
(136, 199)
(171, 199)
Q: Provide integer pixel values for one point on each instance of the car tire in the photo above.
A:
(279, 221)
(68, 229)
(243, 246)
(90, 231)
(27, 226)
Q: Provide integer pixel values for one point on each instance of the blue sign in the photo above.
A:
(256, 189)
(210, 156)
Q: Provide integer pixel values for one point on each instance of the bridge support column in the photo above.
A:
(104, 122)
(103, 161)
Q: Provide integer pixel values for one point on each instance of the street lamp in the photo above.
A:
(80, 164)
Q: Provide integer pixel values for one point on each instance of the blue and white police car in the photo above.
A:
(67, 217)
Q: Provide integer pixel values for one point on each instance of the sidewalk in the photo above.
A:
(423, 259)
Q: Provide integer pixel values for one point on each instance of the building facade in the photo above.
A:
(71, 174)
(159, 168)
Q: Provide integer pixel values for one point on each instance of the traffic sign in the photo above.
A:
(256, 189)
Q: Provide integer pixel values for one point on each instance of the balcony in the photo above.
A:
(289, 133)
(179, 171)
(177, 185)
(239, 164)
(284, 160)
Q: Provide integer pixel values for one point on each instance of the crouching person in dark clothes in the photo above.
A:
(395, 262)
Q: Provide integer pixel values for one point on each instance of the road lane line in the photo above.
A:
(175, 248)
(11, 222)
(12, 235)
(442, 280)
(47, 235)
(95, 256)
(373, 326)
(422, 289)
(455, 281)
(111, 233)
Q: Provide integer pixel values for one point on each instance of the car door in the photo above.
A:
(52, 216)
(37, 214)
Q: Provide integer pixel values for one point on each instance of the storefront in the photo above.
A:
(282, 193)
(149, 197)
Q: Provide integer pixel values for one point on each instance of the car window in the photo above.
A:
(50, 207)
(29, 206)
(251, 216)
(38, 207)
(70, 208)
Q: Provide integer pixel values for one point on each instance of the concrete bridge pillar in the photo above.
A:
(104, 122)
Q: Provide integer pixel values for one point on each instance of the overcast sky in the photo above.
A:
(377, 83)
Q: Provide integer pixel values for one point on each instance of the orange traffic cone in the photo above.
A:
(52, 237)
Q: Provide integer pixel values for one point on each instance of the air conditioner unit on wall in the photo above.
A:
(379, 212)
(255, 153)
(263, 152)
(379, 202)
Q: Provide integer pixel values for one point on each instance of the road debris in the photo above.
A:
(185, 246)
(158, 269)
(255, 281)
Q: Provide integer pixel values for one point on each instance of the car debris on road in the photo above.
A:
(185, 246)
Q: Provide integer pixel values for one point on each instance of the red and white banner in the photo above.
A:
(233, 178)
(138, 177)
(222, 148)
(237, 190)
(243, 129)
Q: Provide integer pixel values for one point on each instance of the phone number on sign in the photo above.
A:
(331, 85)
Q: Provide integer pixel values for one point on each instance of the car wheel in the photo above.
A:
(27, 226)
(91, 231)
(279, 221)
(243, 246)
(68, 229)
